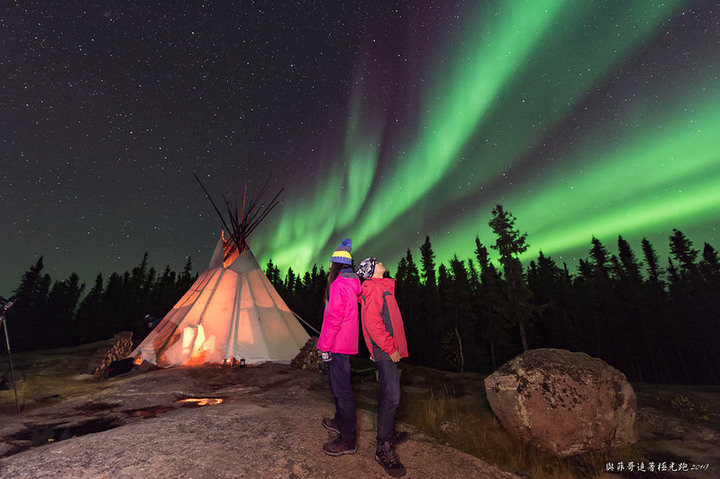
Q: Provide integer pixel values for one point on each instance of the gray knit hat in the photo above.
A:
(366, 269)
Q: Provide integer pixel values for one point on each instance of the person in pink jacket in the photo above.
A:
(338, 341)
(384, 334)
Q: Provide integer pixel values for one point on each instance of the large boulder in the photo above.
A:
(563, 402)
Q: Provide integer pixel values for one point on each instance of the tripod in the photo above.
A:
(3, 321)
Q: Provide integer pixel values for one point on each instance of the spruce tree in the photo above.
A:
(28, 315)
(550, 296)
(429, 307)
(428, 263)
(710, 264)
(89, 312)
(61, 305)
(510, 243)
(633, 320)
(687, 273)
(493, 326)
(409, 294)
(629, 263)
(463, 318)
(652, 261)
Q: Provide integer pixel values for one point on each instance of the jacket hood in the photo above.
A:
(352, 280)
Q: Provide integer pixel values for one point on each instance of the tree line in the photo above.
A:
(49, 314)
(655, 321)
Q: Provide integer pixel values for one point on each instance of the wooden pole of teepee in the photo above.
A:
(213, 204)
(244, 221)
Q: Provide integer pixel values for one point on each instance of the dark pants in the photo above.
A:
(341, 387)
(388, 399)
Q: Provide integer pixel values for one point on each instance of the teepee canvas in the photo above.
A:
(231, 312)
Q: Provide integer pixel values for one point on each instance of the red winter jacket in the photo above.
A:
(339, 333)
(381, 320)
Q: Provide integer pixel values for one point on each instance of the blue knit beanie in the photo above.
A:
(342, 254)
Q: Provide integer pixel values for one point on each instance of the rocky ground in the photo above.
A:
(75, 425)
(134, 425)
(680, 425)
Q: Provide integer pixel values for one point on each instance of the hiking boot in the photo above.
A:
(330, 425)
(339, 446)
(386, 457)
(400, 437)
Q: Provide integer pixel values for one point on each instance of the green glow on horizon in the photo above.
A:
(666, 174)
(702, 200)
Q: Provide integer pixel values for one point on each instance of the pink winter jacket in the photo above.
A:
(340, 328)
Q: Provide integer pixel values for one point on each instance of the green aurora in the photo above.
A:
(583, 119)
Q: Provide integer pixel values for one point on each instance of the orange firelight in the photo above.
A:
(202, 401)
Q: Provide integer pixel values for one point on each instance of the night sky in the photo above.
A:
(384, 121)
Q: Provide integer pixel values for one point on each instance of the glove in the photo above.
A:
(326, 356)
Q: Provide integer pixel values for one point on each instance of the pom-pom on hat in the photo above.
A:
(366, 269)
(342, 254)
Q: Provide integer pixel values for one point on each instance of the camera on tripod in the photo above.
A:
(6, 303)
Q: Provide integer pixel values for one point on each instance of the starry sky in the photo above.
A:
(384, 121)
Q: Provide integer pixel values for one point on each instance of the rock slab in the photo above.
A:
(563, 402)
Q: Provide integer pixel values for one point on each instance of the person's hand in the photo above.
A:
(395, 356)
(326, 356)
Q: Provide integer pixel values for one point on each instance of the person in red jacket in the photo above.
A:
(384, 334)
(338, 341)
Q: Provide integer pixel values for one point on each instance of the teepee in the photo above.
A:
(232, 312)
